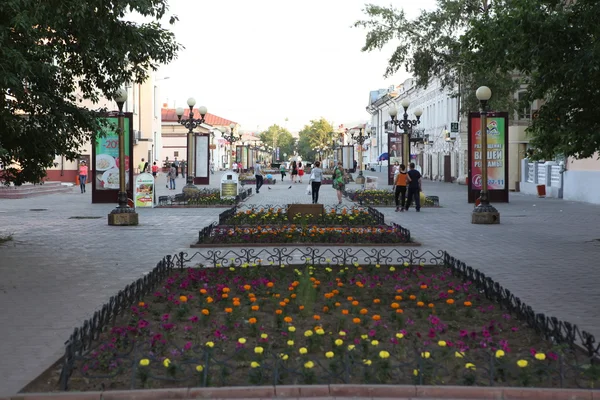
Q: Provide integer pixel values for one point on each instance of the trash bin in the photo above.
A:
(541, 190)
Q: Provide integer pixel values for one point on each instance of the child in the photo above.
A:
(282, 170)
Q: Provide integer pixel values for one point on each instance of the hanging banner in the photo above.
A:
(144, 191)
(394, 154)
(497, 159)
(201, 159)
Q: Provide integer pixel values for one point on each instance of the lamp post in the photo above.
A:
(231, 137)
(190, 123)
(406, 126)
(484, 212)
(360, 139)
(123, 215)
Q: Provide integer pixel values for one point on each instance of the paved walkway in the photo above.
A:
(58, 270)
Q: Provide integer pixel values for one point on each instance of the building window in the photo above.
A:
(175, 154)
(524, 111)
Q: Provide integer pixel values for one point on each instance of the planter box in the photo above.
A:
(304, 209)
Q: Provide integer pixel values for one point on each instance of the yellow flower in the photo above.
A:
(320, 331)
(309, 364)
(540, 356)
(290, 342)
(384, 354)
(392, 269)
(329, 354)
(303, 350)
(199, 368)
(377, 265)
(522, 363)
(375, 343)
(351, 347)
(144, 362)
(339, 342)
(166, 362)
(425, 354)
(210, 344)
(470, 366)
(342, 333)
(258, 350)
(284, 356)
(308, 333)
(399, 335)
(459, 354)
(367, 362)
(364, 337)
(415, 372)
(292, 329)
(264, 336)
(241, 340)
(254, 364)
(405, 264)
(442, 343)
(500, 353)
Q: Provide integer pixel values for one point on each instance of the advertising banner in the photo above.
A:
(144, 191)
(394, 154)
(497, 159)
(105, 160)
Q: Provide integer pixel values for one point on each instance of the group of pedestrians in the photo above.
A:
(407, 186)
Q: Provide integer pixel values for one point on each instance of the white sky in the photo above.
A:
(258, 62)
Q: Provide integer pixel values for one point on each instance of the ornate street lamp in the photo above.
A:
(123, 215)
(360, 139)
(191, 124)
(484, 212)
(231, 137)
(406, 126)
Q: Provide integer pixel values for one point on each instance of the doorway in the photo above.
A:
(447, 169)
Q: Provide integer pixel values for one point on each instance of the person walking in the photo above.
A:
(316, 176)
(414, 187)
(83, 173)
(400, 182)
(294, 169)
(258, 174)
(172, 175)
(282, 170)
(176, 165)
(300, 171)
(141, 166)
(154, 169)
(338, 181)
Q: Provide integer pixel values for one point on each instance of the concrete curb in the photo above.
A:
(324, 392)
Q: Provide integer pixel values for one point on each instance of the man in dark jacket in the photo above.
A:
(414, 187)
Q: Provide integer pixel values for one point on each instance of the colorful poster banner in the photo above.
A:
(496, 153)
(144, 191)
(394, 154)
(106, 166)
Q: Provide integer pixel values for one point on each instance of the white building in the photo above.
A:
(444, 157)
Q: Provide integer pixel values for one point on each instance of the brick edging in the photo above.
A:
(339, 391)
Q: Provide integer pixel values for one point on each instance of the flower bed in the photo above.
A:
(381, 197)
(277, 215)
(282, 324)
(252, 181)
(202, 198)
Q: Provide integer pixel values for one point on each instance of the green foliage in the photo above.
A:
(430, 46)
(49, 51)
(277, 136)
(317, 133)
(554, 43)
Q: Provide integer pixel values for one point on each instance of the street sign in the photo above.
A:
(453, 127)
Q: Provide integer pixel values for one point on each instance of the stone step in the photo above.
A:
(29, 190)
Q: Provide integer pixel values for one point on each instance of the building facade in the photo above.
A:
(174, 137)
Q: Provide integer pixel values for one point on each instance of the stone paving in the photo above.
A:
(57, 271)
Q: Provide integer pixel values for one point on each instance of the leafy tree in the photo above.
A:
(277, 136)
(555, 44)
(430, 46)
(51, 49)
(316, 133)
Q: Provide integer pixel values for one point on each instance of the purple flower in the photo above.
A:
(187, 346)
(142, 323)
(193, 319)
(372, 333)
(165, 317)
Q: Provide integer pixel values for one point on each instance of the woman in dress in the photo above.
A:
(294, 169)
(338, 181)
(300, 171)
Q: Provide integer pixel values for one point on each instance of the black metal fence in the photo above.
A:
(273, 370)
